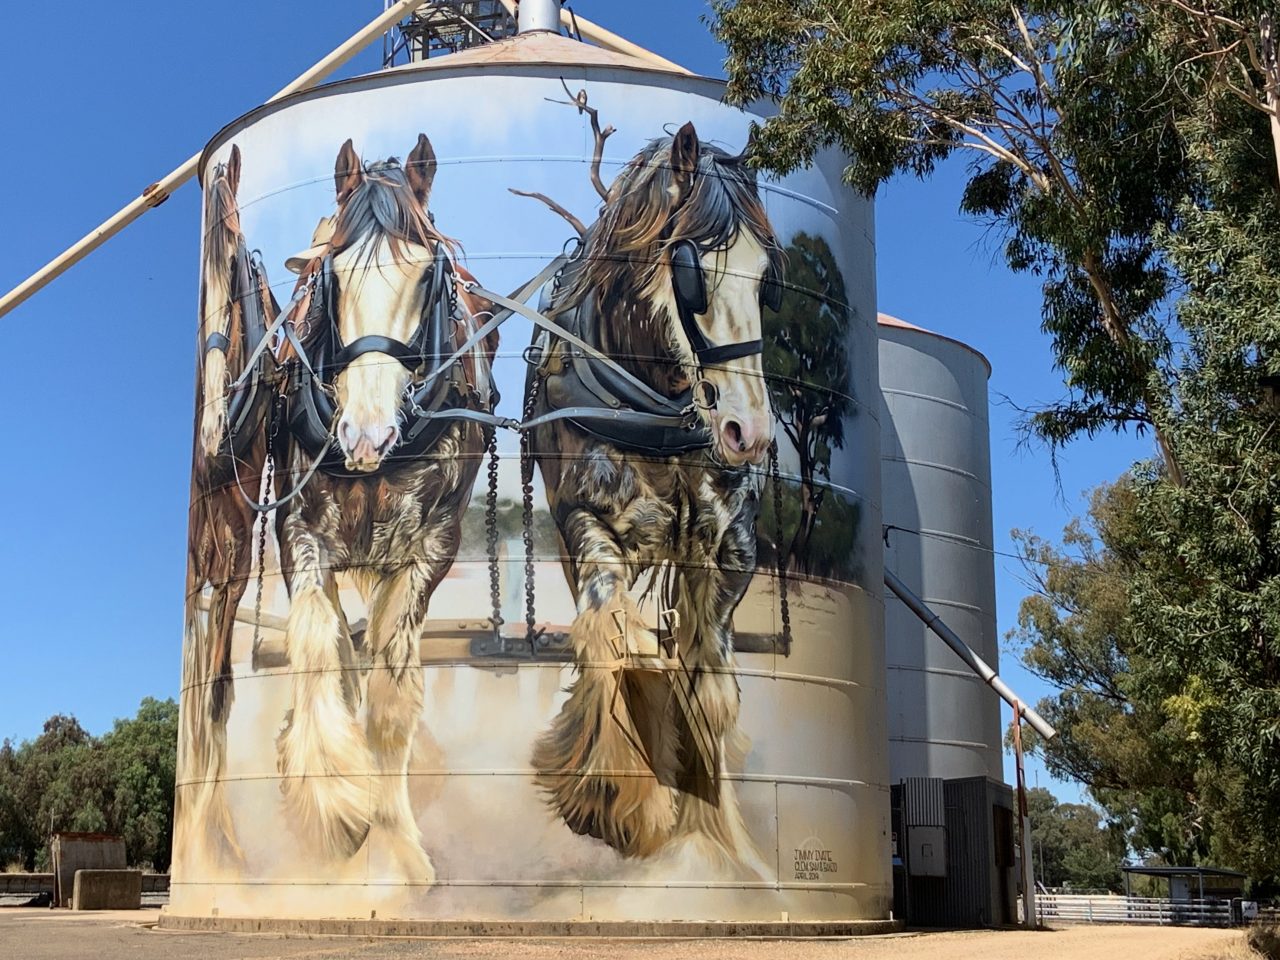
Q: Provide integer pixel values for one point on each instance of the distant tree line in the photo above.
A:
(66, 779)
(1072, 846)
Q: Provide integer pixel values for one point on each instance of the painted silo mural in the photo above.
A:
(532, 568)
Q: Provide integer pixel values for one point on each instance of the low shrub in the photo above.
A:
(1264, 939)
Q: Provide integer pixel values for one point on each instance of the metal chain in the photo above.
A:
(273, 428)
(780, 559)
(491, 533)
(526, 490)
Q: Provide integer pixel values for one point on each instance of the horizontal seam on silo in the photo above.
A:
(968, 347)
(797, 780)
(934, 671)
(504, 159)
(894, 391)
(937, 466)
(525, 884)
(792, 576)
(489, 663)
(945, 743)
(955, 604)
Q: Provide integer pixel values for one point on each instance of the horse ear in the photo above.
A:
(233, 169)
(420, 169)
(347, 172)
(685, 151)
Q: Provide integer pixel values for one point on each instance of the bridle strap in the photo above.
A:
(218, 341)
(730, 351)
(407, 356)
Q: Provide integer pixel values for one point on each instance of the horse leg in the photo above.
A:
(222, 621)
(322, 753)
(709, 699)
(191, 717)
(592, 763)
(395, 698)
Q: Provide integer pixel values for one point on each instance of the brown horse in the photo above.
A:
(669, 283)
(235, 305)
(386, 508)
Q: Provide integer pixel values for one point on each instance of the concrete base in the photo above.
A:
(107, 890)
(533, 928)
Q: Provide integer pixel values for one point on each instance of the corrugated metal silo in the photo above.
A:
(707, 745)
(936, 463)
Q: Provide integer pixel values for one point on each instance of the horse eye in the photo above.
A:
(771, 292)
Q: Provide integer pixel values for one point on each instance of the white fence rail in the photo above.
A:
(1067, 908)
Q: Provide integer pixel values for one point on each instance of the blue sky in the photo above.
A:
(96, 371)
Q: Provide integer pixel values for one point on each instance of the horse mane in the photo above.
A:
(625, 250)
(221, 239)
(383, 207)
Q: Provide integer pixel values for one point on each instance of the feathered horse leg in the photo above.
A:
(608, 759)
(709, 697)
(395, 699)
(322, 753)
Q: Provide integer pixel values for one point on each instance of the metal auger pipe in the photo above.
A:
(159, 191)
(967, 654)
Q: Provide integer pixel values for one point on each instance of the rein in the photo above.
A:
(603, 397)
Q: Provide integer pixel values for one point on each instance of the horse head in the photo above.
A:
(220, 307)
(385, 253)
(686, 223)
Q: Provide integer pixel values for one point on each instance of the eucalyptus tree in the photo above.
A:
(1074, 156)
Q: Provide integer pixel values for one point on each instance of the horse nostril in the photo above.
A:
(346, 434)
(388, 440)
(732, 431)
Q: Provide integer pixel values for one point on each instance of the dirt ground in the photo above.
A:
(46, 935)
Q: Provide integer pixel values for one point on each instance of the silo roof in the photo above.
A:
(541, 47)
(886, 320)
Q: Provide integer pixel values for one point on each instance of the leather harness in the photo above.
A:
(580, 382)
(247, 395)
(438, 394)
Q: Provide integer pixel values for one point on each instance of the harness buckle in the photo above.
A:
(704, 387)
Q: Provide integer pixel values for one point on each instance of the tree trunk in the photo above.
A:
(1120, 336)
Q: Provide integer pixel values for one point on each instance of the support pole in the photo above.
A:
(159, 191)
(1024, 829)
(611, 41)
(966, 653)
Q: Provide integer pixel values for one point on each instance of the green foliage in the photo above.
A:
(1074, 155)
(1071, 846)
(66, 779)
(1137, 722)
(1264, 939)
(808, 369)
(140, 757)
(1206, 597)
(1075, 632)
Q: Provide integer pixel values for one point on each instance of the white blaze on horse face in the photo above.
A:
(381, 296)
(742, 420)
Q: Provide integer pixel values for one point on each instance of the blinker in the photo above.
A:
(690, 282)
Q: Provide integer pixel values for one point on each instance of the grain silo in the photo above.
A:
(485, 614)
(936, 460)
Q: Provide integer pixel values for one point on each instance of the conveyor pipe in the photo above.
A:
(967, 654)
(159, 191)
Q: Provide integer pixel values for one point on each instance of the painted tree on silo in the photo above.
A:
(806, 361)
